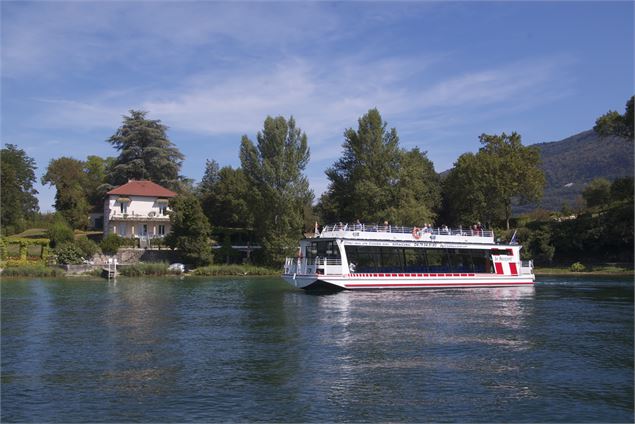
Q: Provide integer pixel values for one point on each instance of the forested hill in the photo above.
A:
(571, 163)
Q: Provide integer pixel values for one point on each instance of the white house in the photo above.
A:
(137, 209)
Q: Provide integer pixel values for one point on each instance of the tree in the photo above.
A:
(484, 186)
(145, 153)
(418, 191)
(278, 190)
(17, 175)
(67, 176)
(612, 123)
(224, 196)
(363, 181)
(597, 193)
(190, 230)
(96, 171)
(622, 189)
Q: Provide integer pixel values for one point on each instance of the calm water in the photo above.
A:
(256, 350)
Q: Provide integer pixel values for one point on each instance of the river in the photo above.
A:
(254, 349)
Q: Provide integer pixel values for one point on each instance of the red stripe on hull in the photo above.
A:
(466, 284)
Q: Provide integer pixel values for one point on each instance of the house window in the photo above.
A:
(143, 230)
(122, 230)
(123, 207)
(161, 230)
(163, 210)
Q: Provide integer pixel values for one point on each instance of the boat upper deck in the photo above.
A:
(397, 233)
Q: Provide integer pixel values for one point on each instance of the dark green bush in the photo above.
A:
(111, 243)
(87, 246)
(69, 254)
(59, 233)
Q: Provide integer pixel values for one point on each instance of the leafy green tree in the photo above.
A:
(190, 230)
(613, 123)
(17, 175)
(278, 190)
(145, 153)
(484, 186)
(362, 183)
(597, 193)
(224, 197)
(418, 191)
(622, 189)
(67, 176)
(96, 171)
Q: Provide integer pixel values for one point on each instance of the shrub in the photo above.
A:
(577, 267)
(87, 246)
(69, 254)
(59, 233)
(110, 244)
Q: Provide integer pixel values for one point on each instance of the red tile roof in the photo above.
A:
(142, 188)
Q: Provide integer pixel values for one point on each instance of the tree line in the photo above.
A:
(375, 180)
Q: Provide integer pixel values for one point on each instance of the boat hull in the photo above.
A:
(406, 281)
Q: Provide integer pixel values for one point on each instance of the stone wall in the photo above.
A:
(133, 256)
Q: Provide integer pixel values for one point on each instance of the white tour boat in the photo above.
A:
(360, 256)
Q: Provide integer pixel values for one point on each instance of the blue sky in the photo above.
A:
(440, 73)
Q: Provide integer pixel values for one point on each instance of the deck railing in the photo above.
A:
(376, 228)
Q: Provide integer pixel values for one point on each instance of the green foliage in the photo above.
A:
(110, 244)
(597, 193)
(69, 254)
(484, 186)
(613, 123)
(96, 171)
(539, 245)
(190, 230)
(145, 153)
(60, 232)
(224, 195)
(622, 189)
(67, 176)
(417, 192)
(362, 182)
(278, 189)
(88, 247)
(31, 270)
(215, 270)
(19, 204)
(577, 267)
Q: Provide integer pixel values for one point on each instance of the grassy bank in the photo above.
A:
(32, 271)
(602, 269)
(218, 270)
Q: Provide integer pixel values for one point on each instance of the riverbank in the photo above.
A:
(142, 269)
(598, 270)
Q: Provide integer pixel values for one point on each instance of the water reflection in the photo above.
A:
(256, 350)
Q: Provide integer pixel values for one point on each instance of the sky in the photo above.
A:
(441, 73)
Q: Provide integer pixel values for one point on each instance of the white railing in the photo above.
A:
(313, 265)
(375, 228)
(526, 267)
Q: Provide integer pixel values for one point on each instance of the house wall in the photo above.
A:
(140, 211)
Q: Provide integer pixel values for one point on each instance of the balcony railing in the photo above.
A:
(152, 216)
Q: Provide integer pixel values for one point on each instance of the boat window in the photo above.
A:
(502, 252)
(407, 259)
(323, 249)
